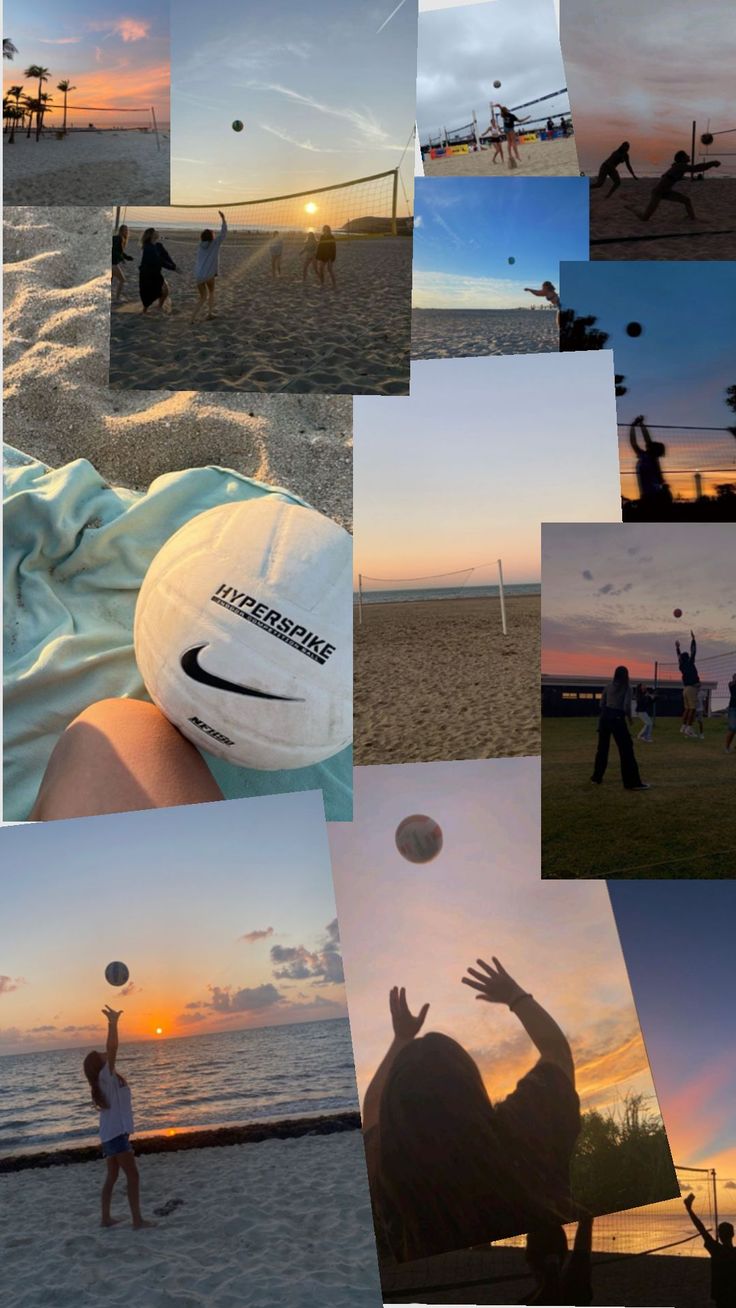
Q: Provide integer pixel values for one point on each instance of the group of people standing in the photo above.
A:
(317, 253)
(620, 701)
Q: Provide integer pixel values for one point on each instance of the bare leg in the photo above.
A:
(331, 271)
(164, 303)
(120, 755)
(118, 282)
(651, 207)
(321, 271)
(113, 1167)
(202, 292)
(730, 735)
(211, 298)
(679, 198)
(129, 1166)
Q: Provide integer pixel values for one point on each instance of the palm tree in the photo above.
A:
(8, 48)
(35, 70)
(15, 92)
(66, 87)
(44, 108)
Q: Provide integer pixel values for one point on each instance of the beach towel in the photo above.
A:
(76, 551)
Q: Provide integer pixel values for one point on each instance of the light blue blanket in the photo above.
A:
(76, 550)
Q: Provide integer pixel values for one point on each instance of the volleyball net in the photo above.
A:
(77, 120)
(652, 1230)
(698, 462)
(477, 129)
(719, 668)
(366, 207)
(433, 586)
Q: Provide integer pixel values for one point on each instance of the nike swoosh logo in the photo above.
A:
(192, 667)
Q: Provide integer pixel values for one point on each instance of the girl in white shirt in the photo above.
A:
(111, 1095)
(207, 268)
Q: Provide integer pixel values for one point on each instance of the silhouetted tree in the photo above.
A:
(580, 333)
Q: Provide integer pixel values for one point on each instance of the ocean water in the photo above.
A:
(232, 1077)
(371, 596)
(658, 1228)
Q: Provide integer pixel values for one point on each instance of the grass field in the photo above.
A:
(685, 826)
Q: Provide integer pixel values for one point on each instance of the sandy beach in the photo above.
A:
(669, 234)
(437, 679)
(499, 1276)
(459, 333)
(104, 167)
(272, 335)
(283, 1221)
(58, 406)
(538, 159)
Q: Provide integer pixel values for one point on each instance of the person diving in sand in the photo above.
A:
(548, 292)
(152, 284)
(111, 1097)
(119, 242)
(664, 189)
(609, 169)
(207, 268)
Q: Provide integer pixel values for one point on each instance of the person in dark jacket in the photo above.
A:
(690, 685)
(152, 284)
(614, 721)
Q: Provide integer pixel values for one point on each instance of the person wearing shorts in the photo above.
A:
(690, 685)
(608, 170)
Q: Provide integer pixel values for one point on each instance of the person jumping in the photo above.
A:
(690, 685)
(509, 126)
(608, 170)
(653, 489)
(664, 189)
(722, 1257)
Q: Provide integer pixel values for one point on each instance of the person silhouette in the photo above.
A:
(722, 1257)
(664, 189)
(614, 715)
(653, 489)
(609, 169)
(447, 1167)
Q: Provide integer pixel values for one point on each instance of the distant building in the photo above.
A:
(579, 697)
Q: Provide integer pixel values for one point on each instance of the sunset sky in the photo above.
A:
(673, 375)
(114, 56)
(642, 73)
(463, 470)
(608, 595)
(325, 90)
(464, 48)
(421, 926)
(466, 230)
(224, 914)
(687, 1010)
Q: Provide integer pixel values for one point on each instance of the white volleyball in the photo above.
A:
(243, 633)
(419, 838)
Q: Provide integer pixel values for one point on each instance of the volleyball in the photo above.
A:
(512, 259)
(237, 125)
(419, 838)
(243, 633)
(497, 85)
(633, 329)
(677, 613)
(116, 974)
(707, 138)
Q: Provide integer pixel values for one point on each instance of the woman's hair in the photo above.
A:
(658, 448)
(624, 146)
(93, 1065)
(682, 156)
(621, 676)
(123, 232)
(207, 235)
(446, 1176)
(327, 230)
(503, 109)
(148, 235)
(551, 285)
(543, 1243)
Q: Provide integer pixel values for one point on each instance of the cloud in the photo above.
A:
(249, 1000)
(301, 145)
(186, 1019)
(8, 984)
(38, 1030)
(365, 123)
(729, 1185)
(74, 1030)
(60, 40)
(251, 936)
(588, 575)
(130, 29)
(131, 989)
(323, 965)
(196, 1003)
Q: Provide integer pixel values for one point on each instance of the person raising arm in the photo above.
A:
(495, 986)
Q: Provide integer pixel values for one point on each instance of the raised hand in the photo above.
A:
(689, 1200)
(406, 1025)
(111, 1014)
(493, 983)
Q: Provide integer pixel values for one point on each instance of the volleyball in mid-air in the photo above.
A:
(243, 633)
(237, 125)
(633, 329)
(512, 259)
(116, 974)
(677, 613)
(707, 138)
(497, 85)
(419, 838)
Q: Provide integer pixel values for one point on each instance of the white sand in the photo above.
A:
(462, 333)
(284, 1222)
(58, 406)
(271, 334)
(86, 168)
(537, 159)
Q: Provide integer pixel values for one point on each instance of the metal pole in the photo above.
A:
(715, 1197)
(654, 698)
(117, 218)
(360, 599)
(500, 595)
(692, 151)
(394, 201)
(155, 127)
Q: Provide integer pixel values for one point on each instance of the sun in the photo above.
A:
(159, 1030)
(310, 207)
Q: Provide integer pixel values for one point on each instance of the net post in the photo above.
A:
(117, 220)
(501, 597)
(692, 152)
(394, 201)
(155, 127)
(715, 1199)
(360, 599)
